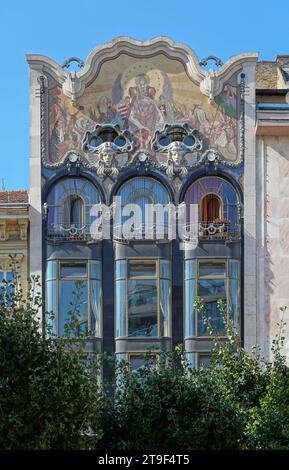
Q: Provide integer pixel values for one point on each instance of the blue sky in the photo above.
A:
(65, 28)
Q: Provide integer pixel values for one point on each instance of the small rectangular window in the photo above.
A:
(204, 360)
(69, 270)
(142, 268)
(138, 361)
(212, 269)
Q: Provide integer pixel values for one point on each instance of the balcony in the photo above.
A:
(71, 233)
(142, 232)
(217, 230)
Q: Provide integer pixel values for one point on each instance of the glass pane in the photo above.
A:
(235, 303)
(51, 270)
(120, 269)
(191, 359)
(165, 297)
(142, 268)
(234, 268)
(212, 269)
(51, 306)
(142, 308)
(137, 362)
(120, 309)
(190, 269)
(204, 360)
(211, 291)
(10, 276)
(76, 211)
(95, 308)
(73, 307)
(73, 270)
(7, 287)
(189, 308)
(165, 269)
(95, 269)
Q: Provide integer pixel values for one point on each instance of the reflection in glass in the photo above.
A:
(189, 306)
(165, 295)
(51, 270)
(165, 269)
(235, 303)
(204, 361)
(212, 269)
(51, 301)
(138, 362)
(120, 308)
(95, 307)
(73, 270)
(73, 306)
(190, 269)
(120, 269)
(142, 268)
(212, 290)
(142, 308)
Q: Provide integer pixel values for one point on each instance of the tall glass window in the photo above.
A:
(144, 192)
(74, 297)
(218, 204)
(143, 298)
(212, 280)
(70, 202)
(7, 287)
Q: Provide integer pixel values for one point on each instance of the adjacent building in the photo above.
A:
(14, 235)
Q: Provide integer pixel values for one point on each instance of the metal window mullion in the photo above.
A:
(88, 269)
(57, 296)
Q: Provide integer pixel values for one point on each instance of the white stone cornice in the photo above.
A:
(74, 83)
(44, 65)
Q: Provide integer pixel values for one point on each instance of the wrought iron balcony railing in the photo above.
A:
(141, 232)
(215, 230)
(71, 232)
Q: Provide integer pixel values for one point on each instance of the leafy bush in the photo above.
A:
(51, 398)
(48, 398)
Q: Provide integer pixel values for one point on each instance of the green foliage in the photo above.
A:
(51, 396)
(48, 398)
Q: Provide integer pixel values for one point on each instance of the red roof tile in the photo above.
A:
(20, 196)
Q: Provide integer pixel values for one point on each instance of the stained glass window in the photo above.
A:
(143, 192)
(70, 201)
(215, 196)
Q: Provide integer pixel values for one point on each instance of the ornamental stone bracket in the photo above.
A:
(74, 83)
(13, 229)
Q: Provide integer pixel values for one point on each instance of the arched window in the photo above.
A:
(218, 207)
(76, 211)
(138, 195)
(211, 208)
(70, 202)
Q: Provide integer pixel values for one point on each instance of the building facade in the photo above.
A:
(144, 123)
(14, 236)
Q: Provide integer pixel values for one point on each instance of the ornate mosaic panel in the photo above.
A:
(142, 96)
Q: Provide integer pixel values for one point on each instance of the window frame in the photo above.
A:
(227, 277)
(157, 260)
(143, 354)
(221, 206)
(199, 354)
(88, 279)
